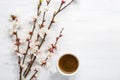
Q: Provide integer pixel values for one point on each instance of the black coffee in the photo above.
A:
(68, 63)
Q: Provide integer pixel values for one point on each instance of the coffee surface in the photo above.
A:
(68, 63)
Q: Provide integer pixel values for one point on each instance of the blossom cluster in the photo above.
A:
(28, 49)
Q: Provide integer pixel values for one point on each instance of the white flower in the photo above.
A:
(50, 55)
(14, 47)
(47, 66)
(37, 67)
(46, 8)
(23, 65)
(33, 49)
(16, 25)
(38, 56)
(11, 31)
(36, 43)
(41, 60)
(42, 32)
(19, 54)
(37, 52)
(32, 43)
(35, 18)
(41, 56)
(21, 51)
(29, 60)
(22, 40)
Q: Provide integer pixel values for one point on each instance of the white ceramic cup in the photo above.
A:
(67, 74)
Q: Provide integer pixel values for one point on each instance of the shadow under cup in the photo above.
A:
(68, 64)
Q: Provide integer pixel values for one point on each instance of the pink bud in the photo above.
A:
(35, 69)
(50, 50)
(30, 33)
(62, 2)
(57, 38)
(60, 35)
(14, 33)
(13, 17)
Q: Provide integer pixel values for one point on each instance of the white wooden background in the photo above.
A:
(92, 31)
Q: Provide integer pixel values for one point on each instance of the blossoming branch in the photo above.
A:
(30, 55)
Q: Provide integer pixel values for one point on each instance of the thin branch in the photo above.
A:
(48, 1)
(28, 46)
(57, 38)
(38, 8)
(52, 21)
(28, 69)
(33, 75)
(35, 21)
(66, 5)
(41, 26)
(43, 20)
(19, 59)
(60, 35)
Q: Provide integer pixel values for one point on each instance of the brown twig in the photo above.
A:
(41, 26)
(35, 21)
(48, 1)
(38, 14)
(28, 46)
(29, 65)
(38, 8)
(19, 59)
(66, 5)
(43, 20)
(52, 21)
(53, 47)
(34, 75)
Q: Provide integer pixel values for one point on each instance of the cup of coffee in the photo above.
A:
(68, 64)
